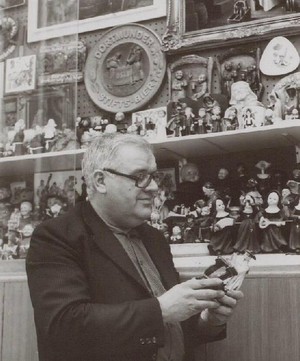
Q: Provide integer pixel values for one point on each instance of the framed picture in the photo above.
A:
(7, 4)
(210, 23)
(20, 74)
(151, 120)
(53, 19)
(63, 184)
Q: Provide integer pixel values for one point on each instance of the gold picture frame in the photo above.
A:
(44, 24)
(176, 37)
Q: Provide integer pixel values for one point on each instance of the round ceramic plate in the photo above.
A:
(125, 69)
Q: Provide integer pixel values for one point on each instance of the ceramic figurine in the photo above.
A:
(49, 132)
(216, 119)
(263, 178)
(176, 236)
(189, 189)
(209, 192)
(200, 87)
(252, 190)
(247, 235)
(24, 242)
(120, 122)
(242, 97)
(270, 220)
(190, 229)
(189, 115)
(177, 120)
(179, 85)
(17, 142)
(221, 240)
(291, 101)
(294, 236)
(26, 209)
(205, 221)
(200, 122)
(223, 184)
(276, 106)
(230, 120)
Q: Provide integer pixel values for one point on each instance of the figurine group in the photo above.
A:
(22, 209)
(21, 140)
(234, 214)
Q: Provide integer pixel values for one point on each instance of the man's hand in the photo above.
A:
(189, 298)
(220, 315)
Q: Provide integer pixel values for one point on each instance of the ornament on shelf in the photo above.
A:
(279, 57)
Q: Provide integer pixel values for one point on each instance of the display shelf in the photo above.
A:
(284, 134)
(192, 259)
(45, 162)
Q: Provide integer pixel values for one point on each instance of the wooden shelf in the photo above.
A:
(284, 134)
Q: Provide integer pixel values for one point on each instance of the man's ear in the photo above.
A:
(99, 183)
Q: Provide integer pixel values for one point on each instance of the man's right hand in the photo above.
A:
(189, 298)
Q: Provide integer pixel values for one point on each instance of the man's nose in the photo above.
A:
(153, 186)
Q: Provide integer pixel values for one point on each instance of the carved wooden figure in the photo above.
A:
(190, 77)
(240, 64)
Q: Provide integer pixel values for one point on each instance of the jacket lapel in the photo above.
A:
(109, 244)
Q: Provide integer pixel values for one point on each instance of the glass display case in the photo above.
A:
(48, 119)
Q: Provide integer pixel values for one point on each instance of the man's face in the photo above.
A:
(125, 204)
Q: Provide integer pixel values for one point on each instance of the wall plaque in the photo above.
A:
(125, 69)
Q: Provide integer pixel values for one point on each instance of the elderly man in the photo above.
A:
(102, 281)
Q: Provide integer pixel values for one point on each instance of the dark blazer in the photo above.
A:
(89, 301)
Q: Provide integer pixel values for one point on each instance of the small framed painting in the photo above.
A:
(20, 74)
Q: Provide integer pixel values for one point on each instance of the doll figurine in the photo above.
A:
(120, 122)
(294, 237)
(291, 101)
(216, 119)
(210, 193)
(179, 86)
(200, 127)
(221, 237)
(190, 229)
(176, 236)
(200, 87)
(25, 213)
(24, 242)
(189, 190)
(251, 190)
(270, 220)
(204, 221)
(247, 235)
(189, 117)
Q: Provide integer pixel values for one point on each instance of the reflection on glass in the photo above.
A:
(55, 12)
(203, 14)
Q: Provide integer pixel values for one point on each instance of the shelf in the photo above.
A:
(44, 162)
(285, 134)
(192, 259)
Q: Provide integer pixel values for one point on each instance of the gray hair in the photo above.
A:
(103, 152)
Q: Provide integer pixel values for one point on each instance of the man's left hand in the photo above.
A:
(220, 315)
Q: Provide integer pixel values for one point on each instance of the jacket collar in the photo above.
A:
(108, 243)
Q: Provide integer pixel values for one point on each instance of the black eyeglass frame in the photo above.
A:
(133, 177)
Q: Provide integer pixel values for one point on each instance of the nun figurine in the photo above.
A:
(222, 236)
(271, 219)
(247, 235)
(294, 238)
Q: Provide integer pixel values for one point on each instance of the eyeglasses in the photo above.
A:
(141, 181)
